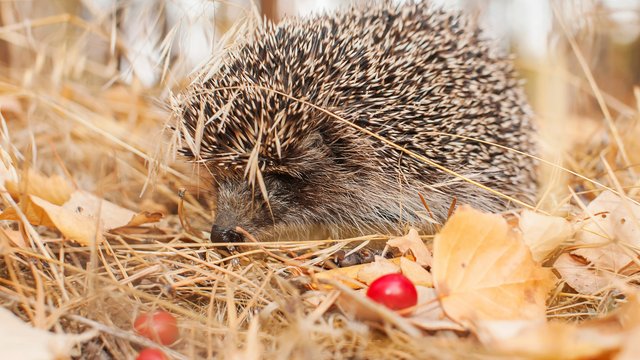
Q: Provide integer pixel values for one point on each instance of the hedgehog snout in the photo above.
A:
(237, 206)
(225, 235)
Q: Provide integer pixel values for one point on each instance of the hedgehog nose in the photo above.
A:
(224, 235)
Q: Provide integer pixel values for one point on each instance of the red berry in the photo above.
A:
(159, 326)
(151, 354)
(394, 291)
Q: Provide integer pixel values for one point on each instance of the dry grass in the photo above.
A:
(64, 112)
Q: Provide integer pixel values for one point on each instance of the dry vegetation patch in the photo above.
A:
(100, 224)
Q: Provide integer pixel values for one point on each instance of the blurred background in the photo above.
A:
(151, 34)
(580, 60)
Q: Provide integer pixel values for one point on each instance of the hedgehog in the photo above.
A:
(369, 119)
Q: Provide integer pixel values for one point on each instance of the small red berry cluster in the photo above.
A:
(159, 326)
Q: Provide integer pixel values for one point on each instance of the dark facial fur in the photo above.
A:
(405, 72)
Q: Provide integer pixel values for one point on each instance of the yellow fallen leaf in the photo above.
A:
(611, 227)
(582, 277)
(381, 266)
(53, 189)
(416, 273)
(428, 314)
(14, 237)
(557, 341)
(76, 227)
(355, 303)
(145, 217)
(543, 233)
(35, 215)
(630, 346)
(90, 206)
(354, 309)
(348, 275)
(482, 270)
(77, 218)
(590, 339)
(412, 242)
(51, 201)
(112, 216)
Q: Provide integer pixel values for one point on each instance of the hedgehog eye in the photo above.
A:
(276, 171)
(285, 177)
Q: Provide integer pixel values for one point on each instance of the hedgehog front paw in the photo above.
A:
(361, 256)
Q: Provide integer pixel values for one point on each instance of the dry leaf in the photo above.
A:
(56, 191)
(610, 229)
(581, 276)
(34, 213)
(53, 189)
(352, 308)
(76, 227)
(492, 331)
(412, 242)
(349, 275)
(558, 341)
(482, 270)
(346, 275)
(19, 340)
(82, 218)
(543, 233)
(145, 217)
(90, 206)
(14, 237)
(357, 304)
(631, 346)
(381, 266)
(111, 215)
(428, 314)
(416, 273)
(590, 339)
